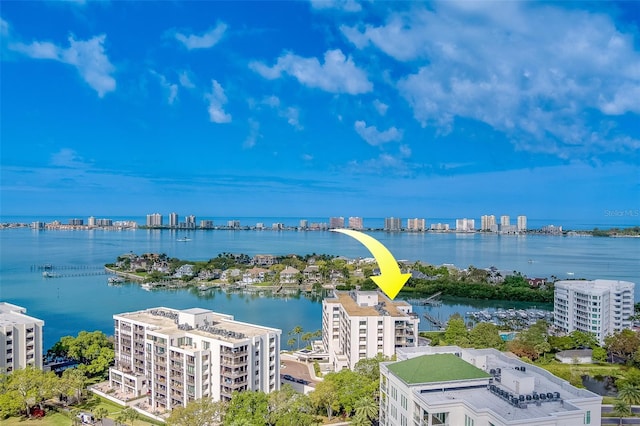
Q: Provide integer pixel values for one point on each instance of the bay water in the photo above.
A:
(81, 299)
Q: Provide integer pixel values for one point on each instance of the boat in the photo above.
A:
(115, 280)
(183, 239)
(47, 274)
(147, 286)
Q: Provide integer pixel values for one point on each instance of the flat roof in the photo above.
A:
(13, 314)
(353, 309)
(436, 368)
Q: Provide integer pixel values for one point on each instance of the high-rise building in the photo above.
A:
(505, 221)
(439, 227)
(154, 220)
(176, 356)
(449, 385)
(416, 224)
(173, 220)
(20, 338)
(206, 224)
(465, 225)
(392, 224)
(304, 224)
(488, 223)
(190, 222)
(361, 324)
(104, 222)
(235, 224)
(355, 223)
(599, 307)
(522, 224)
(76, 222)
(91, 222)
(336, 222)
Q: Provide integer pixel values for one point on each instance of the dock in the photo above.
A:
(434, 321)
(433, 300)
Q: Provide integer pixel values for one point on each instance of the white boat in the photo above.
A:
(183, 239)
(146, 286)
(115, 280)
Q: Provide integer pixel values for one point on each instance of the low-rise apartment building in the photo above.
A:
(600, 307)
(362, 324)
(176, 356)
(452, 386)
(20, 338)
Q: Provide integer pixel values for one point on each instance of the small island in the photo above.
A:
(315, 273)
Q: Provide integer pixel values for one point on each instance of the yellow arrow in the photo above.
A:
(390, 280)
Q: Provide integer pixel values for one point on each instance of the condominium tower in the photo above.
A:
(154, 220)
(600, 307)
(448, 385)
(173, 220)
(416, 224)
(20, 338)
(176, 356)
(392, 224)
(522, 223)
(355, 223)
(488, 223)
(361, 324)
(336, 222)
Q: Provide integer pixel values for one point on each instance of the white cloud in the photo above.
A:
(338, 74)
(375, 137)
(68, 158)
(380, 107)
(171, 89)
(204, 41)
(88, 57)
(217, 99)
(533, 71)
(291, 114)
(307, 157)
(185, 80)
(254, 134)
(345, 5)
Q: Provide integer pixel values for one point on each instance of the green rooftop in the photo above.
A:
(435, 368)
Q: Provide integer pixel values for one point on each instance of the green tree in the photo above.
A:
(599, 354)
(367, 407)
(325, 397)
(297, 331)
(248, 406)
(101, 413)
(623, 344)
(621, 409)
(531, 343)
(75, 381)
(201, 412)
(29, 387)
(485, 335)
(93, 350)
(287, 407)
(456, 331)
(370, 367)
(630, 394)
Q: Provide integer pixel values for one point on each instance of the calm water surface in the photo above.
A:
(74, 303)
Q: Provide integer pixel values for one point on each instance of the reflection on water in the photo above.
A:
(602, 385)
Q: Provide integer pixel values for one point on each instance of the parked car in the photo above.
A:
(288, 377)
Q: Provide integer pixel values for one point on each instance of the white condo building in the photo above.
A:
(452, 386)
(176, 356)
(522, 223)
(154, 220)
(416, 224)
(20, 338)
(392, 224)
(465, 225)
(362, 324)
(488, 223)
(600, 307)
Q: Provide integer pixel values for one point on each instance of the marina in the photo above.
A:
(513, 318)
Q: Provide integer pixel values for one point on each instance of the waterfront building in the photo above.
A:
(319, 226)
(304, 224)
(176, 356)
(336, 222)
(522, 224)
(552, 229)
(206, 224)
(599, 307)
(277, 226)
(355, 223)
(488, 223)
(76, 222)
(264, 260)
(108, 222)
(392, 224)
(361, 324)
(234, 224)
(449, 385)
(465, 225)
(416, 225)
(37, 225)
(20, 338)
(190, 221)
(439, 227)
(154, 220)
(505, 221)
(173, 220)
(91, 222)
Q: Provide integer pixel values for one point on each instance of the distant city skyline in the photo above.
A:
(335, 108)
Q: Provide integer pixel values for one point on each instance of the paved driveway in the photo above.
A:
(298, 370)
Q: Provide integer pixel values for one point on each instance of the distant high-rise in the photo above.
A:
(206, 224)
(336, 222)
(190, 221)
(488, 223)
(355, 222)
(91, 221)
(522, 223)
(173, 220)
(233, 224)
(465, 225)
(505, 221)
(392, 224)
(76, 222)
(304, 224)
(416, 224)
(154, 220)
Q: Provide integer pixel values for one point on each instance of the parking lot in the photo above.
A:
(296, 370)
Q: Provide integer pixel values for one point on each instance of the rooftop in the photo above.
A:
(353, 309)
(13, 314)
(436, 368)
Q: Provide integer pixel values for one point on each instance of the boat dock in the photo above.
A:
(433, 300)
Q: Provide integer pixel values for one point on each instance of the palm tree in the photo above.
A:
(101, 413)
(629, 394)
(360, 420)
(367, 407)
(621, 409)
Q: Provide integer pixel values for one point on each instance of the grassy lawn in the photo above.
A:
(113, 409)
(573, 373)
(55, 419)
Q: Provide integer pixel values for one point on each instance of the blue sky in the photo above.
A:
(320, 108)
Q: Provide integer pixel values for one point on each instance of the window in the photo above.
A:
(468, 421)
(403, 401)
(394, 393)
(403, 420)
(587, 418)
